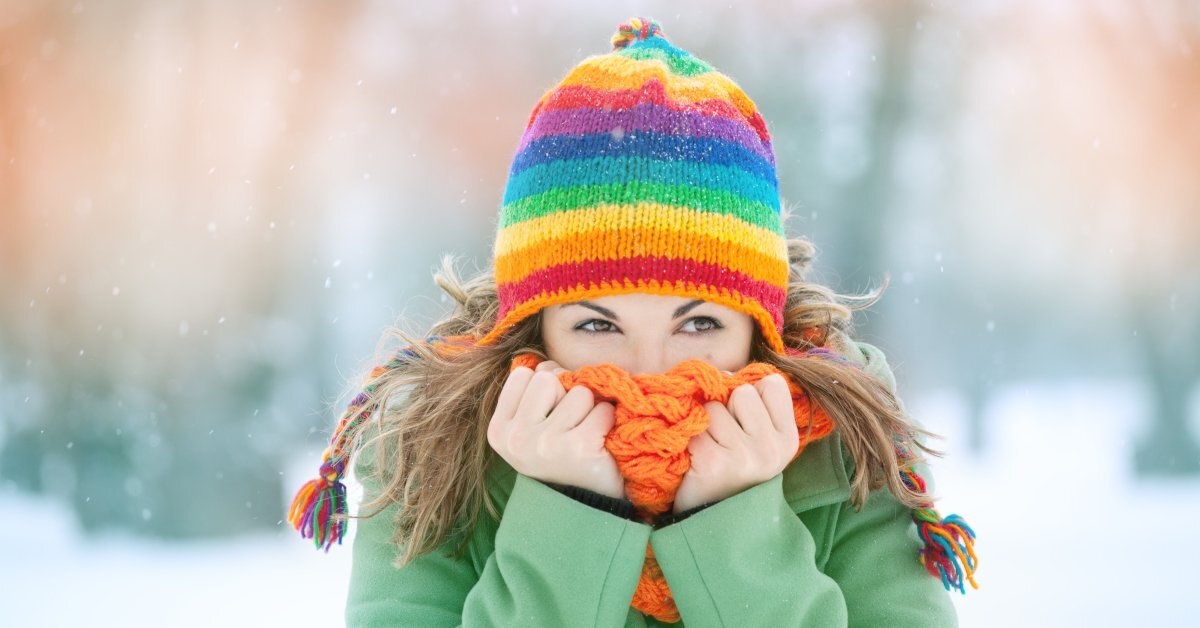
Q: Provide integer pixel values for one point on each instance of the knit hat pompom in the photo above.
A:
(637, 29)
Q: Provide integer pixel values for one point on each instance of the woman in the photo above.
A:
(640, 254)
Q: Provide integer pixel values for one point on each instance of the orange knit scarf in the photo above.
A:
(656, 416)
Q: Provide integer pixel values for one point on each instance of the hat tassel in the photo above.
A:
(949, 551)
(319, 508)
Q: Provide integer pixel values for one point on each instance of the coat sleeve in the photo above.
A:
(749, 560)
(770, 571)
(874, 560)
(550, 561)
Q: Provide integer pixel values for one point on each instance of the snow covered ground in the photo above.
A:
(53, 577)
(1067, 537)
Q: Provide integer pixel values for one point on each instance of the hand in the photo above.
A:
(553, 435)
(745, 444)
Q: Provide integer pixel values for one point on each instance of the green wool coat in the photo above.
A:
(791, 551)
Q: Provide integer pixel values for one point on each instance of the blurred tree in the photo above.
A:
(1148, 52)
(864, 241)
(171, 434)
(19, 36)
(954, 329)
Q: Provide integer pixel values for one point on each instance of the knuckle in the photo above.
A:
(770, 384)
(742, 395)
(584, 393)
(578, 449)
(518, 374)
(720, 467)
(774, 453)
(541, 382)
(546, 445)
(518, 440)
(520, 371)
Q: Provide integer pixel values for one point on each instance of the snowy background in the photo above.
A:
(210, 212)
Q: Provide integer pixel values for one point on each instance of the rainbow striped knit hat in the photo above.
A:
(644, 170)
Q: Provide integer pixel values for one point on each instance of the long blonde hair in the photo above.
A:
(430, 434)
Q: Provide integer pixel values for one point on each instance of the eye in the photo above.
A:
(598, 326)
(695, 325)
(700, 324)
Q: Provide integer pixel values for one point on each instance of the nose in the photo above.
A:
(648, 358)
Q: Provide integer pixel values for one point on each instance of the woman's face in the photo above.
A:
(646, 333)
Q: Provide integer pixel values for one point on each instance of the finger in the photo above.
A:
(777, 397)
(747, 407)
(722, 427)
(548, 365)
(543, 393)
(571, 410)
(702, 445)
(510, 394)
(600, 419)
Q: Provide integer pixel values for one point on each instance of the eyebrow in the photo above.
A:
(683, 309)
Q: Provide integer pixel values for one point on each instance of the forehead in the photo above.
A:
(640, 305)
